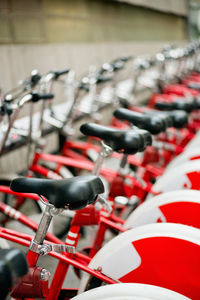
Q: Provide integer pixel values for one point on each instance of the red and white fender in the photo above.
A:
(184, 176)
(164, 254)
(182, 206)
(186, 156)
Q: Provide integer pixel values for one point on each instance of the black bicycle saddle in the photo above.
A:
(154, 124)
(166, 118)
(187, 106)
(74, 193)
(126, 141)
(179, 118)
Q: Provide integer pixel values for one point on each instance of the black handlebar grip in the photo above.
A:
(46, 96)
(101, 79)
(57, 74)
(36, 96)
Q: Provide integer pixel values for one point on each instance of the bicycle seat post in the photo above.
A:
(36, 248)
(104, 152)
(37, 244)
(123, 162)
(43, 226)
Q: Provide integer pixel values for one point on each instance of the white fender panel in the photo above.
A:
(130, 291)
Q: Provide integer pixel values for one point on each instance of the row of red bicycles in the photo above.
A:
(133, 185)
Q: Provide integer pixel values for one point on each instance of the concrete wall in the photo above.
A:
(17, 61)
(48, 21)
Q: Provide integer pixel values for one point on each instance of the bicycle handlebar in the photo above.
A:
(34, 97)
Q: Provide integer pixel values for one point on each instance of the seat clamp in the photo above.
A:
(105, 150)
(44, 249)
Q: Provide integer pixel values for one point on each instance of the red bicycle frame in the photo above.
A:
(65, 259)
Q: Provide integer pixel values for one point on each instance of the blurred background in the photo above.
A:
(51, 35)
(47, 34)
